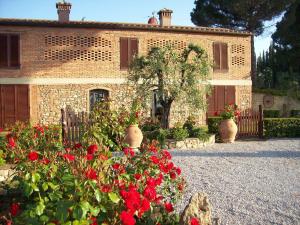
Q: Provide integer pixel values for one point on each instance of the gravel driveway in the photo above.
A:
(248, 182)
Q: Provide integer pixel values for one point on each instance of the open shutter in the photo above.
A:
(124, 53)
(211, 103)
(224, 56)
(3, 50)
(216, 53)
(14, 51)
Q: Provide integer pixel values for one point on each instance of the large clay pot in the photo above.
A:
(228, 130)
(134, 136)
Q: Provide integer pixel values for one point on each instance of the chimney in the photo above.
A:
(165, 16)
(63, 11)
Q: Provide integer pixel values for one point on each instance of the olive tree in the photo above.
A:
(175, 76)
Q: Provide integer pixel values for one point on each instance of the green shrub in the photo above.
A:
(295, 113)
(189, 124)
(213, 124)
(179, 133)
(200, 133)
(268, 113)
(282, 127)
(159, 134)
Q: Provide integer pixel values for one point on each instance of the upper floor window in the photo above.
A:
(220, 51)
(128, 48)
(9, 51)
(97, 95)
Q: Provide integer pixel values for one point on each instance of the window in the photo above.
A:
(128, 48)
(97, 95)
(220, 57)
(9, 50)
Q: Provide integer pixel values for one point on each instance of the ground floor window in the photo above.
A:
(97, 95)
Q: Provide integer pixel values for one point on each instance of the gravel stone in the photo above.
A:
(247, 182)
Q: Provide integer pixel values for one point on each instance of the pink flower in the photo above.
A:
(33, 156)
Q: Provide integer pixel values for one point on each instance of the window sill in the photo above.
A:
(221, 71)
(10, 68)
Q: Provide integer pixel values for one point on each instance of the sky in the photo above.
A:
(131, 11)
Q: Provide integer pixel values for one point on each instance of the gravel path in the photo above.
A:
(248, 182)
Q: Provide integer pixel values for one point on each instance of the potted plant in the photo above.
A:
(134, 135)
(228, 128)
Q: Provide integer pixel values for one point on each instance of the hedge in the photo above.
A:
(282, 127)
(213, 124)
(271, 113)
(295, 113)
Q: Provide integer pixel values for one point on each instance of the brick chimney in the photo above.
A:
(165, 16)
(63, 11)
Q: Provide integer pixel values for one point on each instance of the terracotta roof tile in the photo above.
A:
(116, 26)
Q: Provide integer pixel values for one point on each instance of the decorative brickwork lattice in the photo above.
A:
(65, 55)
(77, 41)
(238, 55)
(178, 45)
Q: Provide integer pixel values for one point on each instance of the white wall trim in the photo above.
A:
(62, 81)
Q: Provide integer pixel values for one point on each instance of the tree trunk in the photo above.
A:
(165, 119)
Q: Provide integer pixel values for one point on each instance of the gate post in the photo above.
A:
(260, 123)
(63, 125)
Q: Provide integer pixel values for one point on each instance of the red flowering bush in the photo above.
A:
(230, 112)
(88, 185)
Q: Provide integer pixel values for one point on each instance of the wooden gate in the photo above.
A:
(73, 125)
(14, 102)
(250, 123)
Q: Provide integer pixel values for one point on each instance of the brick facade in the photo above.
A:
(53, 59)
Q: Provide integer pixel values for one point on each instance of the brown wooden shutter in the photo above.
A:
(3, 50)
(14, 51)
(230, 94)
(133, 48)
(211, 103)
(224, 56)
(220, 98)
(22, 103)
(124, 53)
(216, 53)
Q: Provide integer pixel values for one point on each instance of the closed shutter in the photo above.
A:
(14, 51)
(216, 53)
(3, 51)
(123, 53)
(224, 56)
(22, 102)
(8, 104)
(230, 95)
(220, 98)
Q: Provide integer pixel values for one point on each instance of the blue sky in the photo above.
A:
(135, 11)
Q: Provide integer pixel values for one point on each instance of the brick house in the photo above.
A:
(46, 65)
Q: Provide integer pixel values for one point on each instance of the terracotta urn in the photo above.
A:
(228, 130)
(134, 136)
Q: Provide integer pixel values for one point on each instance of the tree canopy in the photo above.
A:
(240, 14)
(173, 75)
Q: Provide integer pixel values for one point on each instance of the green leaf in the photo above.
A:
(85, 206)
(113, 197)
(40, 208)
(44, 218)
(34, 187)
(35, 177)
(62, 212)
(27, 176)
(45, 186)
(97, 195)
(77, 212)
(94, 211)
(27, 189)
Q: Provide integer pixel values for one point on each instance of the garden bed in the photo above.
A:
(190, 143)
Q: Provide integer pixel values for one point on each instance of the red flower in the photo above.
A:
(33, 156)
(77, 146)
(154, 159)
(91, 174)
(194, 221)
(14, 209)
(127, 218)
(45, 161)
(69, 157)
(1, 129)
(166, 154)
(169, 207)
(216, 113)
(128, 151)
(8, 222)
(178, 170)
(92, 149)
(137, 176)
(173, 175)
(152, 148)
(145, 206)
(132, 200)
(89, 157)
(106, 188)
(11, 142)
(180, 187)
(170, 166)
(116, 166)
(151, 181)
(94, 221)
(159, 180)
(150, 193)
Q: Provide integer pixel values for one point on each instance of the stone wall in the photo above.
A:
(283, 103)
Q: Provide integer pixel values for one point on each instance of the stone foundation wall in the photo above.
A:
(190, 143)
